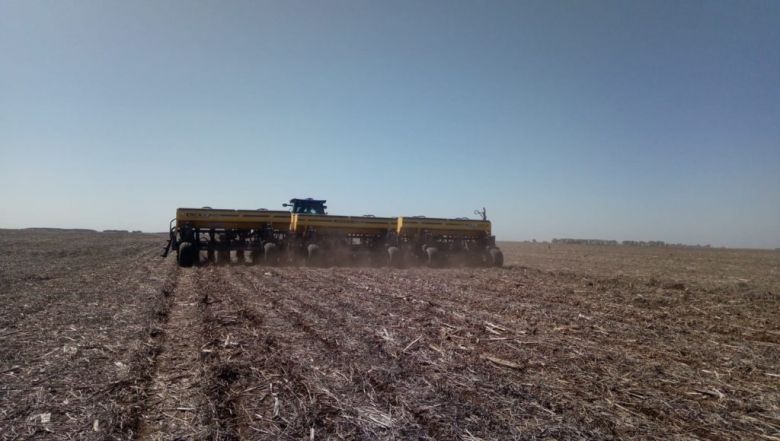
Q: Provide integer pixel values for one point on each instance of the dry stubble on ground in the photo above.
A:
(100, 338)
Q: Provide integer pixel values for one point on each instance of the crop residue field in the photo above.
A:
(101, 338)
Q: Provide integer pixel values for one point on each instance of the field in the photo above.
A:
(100, 338)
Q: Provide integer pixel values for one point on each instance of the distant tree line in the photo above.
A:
(632, 243)
(642, 243)
(586, 241)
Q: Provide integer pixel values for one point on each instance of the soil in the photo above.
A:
(101, 338)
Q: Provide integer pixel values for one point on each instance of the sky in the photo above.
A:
(589, 119)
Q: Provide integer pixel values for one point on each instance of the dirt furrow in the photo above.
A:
(174, 396)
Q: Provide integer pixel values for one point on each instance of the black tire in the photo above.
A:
(496, 257)
(186, 254)
(223, 257)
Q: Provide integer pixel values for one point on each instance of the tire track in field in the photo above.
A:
(174, 397)
(224, 367)
(142, 365)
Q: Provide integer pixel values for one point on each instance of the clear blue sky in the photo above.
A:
(627, 120)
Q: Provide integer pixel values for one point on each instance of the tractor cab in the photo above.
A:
(306, 206)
